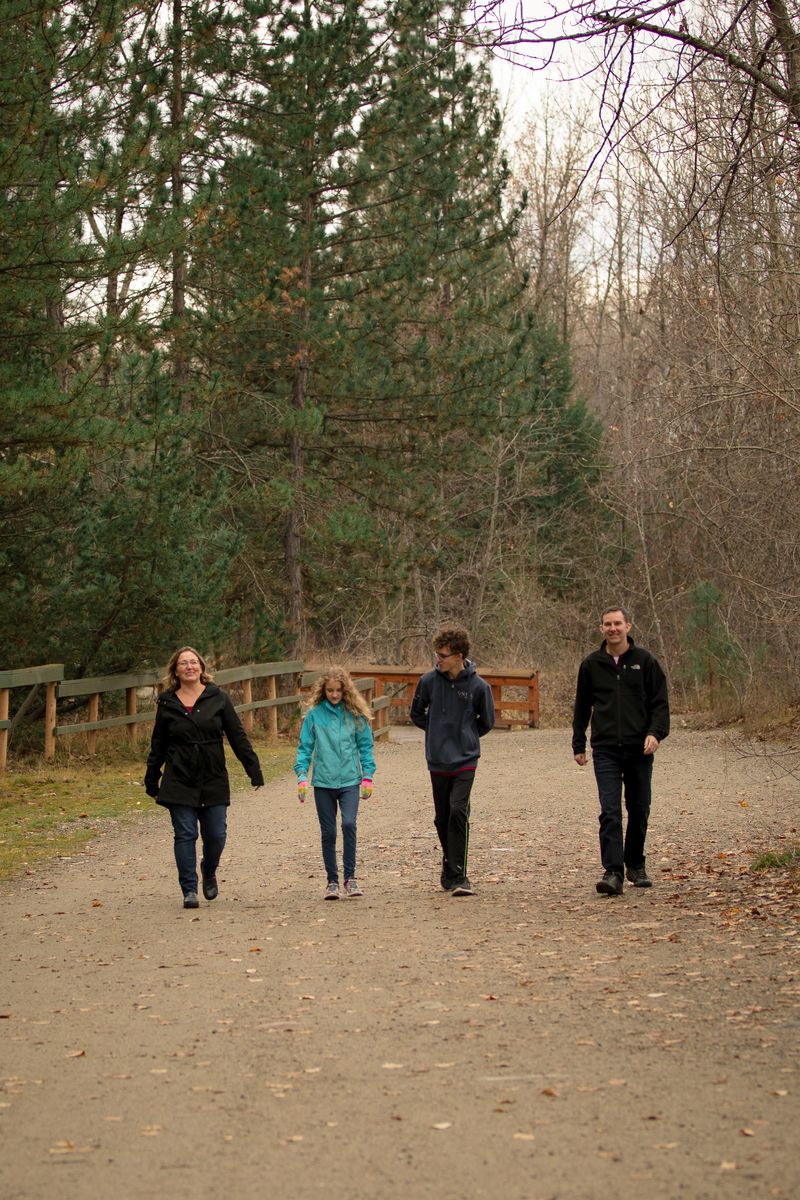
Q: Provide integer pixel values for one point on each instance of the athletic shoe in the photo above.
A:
(462, 888)
(639, 877)
(351, 888)
(331, 891)
(447, 883)
(610, 885)
(190, 900)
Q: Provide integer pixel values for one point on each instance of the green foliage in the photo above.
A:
(775, 860)
(268, 371)
(712, 658)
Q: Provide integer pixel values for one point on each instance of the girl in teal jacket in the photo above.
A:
(336, 736)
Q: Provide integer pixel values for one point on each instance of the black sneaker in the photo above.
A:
(190, 900)
(638, 877)
(210, 889)
(610, 885)
(462, 888)
(447, 882)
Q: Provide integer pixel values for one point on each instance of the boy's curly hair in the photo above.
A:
(455, 637)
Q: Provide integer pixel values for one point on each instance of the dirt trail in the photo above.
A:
(534, 1042)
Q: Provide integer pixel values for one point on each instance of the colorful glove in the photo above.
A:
(302, 790)
(366, 789)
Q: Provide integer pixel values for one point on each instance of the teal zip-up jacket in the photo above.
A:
(339, 744)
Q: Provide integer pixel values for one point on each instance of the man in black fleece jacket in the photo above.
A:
(624, 691)
(455, 708)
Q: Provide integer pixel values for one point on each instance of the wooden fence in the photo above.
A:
(521, 708)
(52, 676)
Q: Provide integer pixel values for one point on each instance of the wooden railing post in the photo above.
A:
(272, 713)
(533, 701)
(94, 715)
(380, 718)
(3, 732)
(130, 711)
(247, 698)
(50, 722)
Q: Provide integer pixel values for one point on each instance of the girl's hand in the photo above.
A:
(302, 790)
(366, 789)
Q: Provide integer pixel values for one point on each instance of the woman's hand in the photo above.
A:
(302, 790)
(366, 789)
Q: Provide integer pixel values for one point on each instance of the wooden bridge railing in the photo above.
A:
(373, 694)
(388, 691)
(399, 684)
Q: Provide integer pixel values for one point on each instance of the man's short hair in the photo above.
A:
(616, 608)
(456, 638)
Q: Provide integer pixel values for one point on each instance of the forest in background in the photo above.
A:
(297, 361)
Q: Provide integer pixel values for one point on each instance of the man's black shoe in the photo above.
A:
(210, 889)
(639, 877)
(610, 885)
(462, 888)
(190, 900)
(447, 883)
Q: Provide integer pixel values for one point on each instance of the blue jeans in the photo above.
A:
(327, 800)
(614, 771)
(213, 823)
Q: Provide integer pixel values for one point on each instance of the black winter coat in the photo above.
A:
(624, 704)
(189, 747)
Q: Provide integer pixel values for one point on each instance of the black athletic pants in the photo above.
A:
(451, 805)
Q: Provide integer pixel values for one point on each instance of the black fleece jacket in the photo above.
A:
(625, 703)
(455, 714)
(189, 747)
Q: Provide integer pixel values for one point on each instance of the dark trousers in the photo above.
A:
(213, 826)
(631, 772)
(451, 818)
(328, 800)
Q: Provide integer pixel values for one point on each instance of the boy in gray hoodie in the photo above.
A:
(455, 708)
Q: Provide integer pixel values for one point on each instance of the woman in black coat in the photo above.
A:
(191, 717)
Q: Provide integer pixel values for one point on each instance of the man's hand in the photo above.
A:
(580, 759)
(651, 744)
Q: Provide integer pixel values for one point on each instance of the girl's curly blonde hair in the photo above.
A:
(351, 697)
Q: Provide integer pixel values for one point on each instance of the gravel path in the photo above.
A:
(535, 1042)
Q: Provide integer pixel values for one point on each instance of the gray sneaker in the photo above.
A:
(331, 891)
(190, 900)
(351, 888)
(462, 888)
